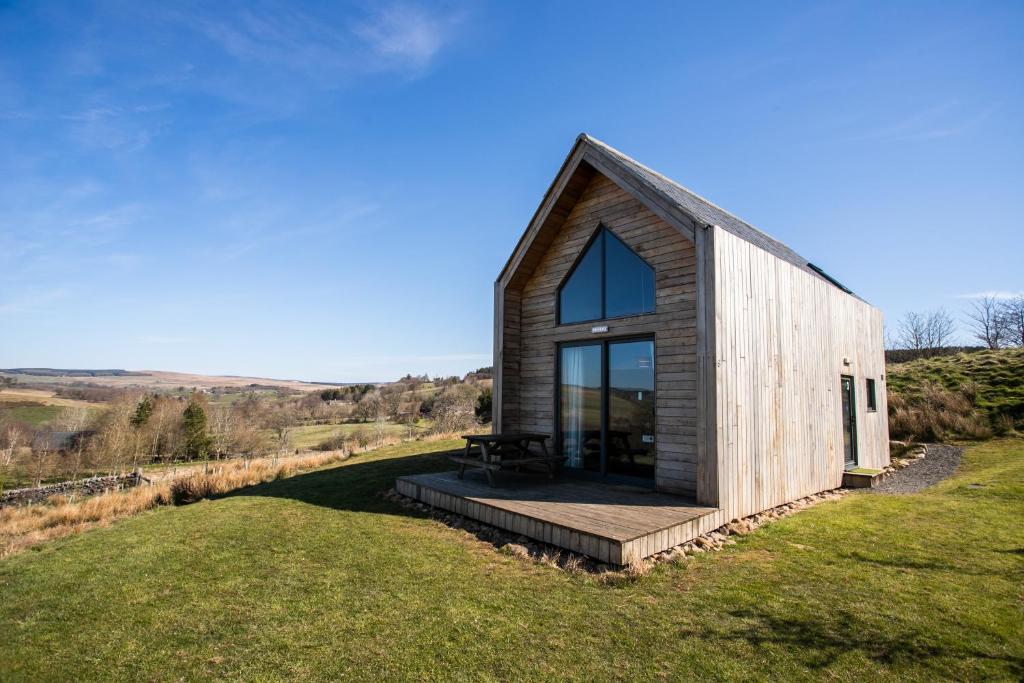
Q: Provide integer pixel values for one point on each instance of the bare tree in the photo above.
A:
(114, 443)
(281, 421)
(939, 329)
(984, 318)
(453, 408)
(912, 331)
(75, 420)
(222, 426)
(12, 437)
(1012, 317)
(41, 457)
(164, 427)
(925, 333)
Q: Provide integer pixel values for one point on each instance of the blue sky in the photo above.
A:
(327, 191)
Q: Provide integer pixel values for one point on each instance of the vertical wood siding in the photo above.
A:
(781, 336)
(530, 332)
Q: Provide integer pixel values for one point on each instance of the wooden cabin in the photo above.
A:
(667, 345)
(656, 336)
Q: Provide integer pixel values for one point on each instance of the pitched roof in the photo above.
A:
(664, 196)
(704, 212)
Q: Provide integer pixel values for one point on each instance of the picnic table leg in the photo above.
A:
(462, 465)
(547, 459)
(523, 447)
(485, 460)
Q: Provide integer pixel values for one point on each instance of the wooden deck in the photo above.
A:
(611, 523)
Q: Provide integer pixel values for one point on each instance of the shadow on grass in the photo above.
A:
(359, 487)
(355, 485)
(823, 642)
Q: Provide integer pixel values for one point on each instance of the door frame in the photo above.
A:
(603, 343)
(853, 420)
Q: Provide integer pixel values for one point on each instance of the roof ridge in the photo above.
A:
(703, 211)
(591, 139)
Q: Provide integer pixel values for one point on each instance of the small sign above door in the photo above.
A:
(597, 329)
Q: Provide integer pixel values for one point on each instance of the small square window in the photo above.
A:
(872, 399)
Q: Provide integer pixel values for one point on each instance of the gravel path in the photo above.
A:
(940, 462)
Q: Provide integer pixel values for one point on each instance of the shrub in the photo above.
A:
(338, 442)
(484, 406)
(24, 527)
(935, 413)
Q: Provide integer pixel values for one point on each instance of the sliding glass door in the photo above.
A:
(606, 406)
(629, 441)
(580, 392)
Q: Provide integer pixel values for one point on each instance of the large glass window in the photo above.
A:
(581, 294)
(609, 281)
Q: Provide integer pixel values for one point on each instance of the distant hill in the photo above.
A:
(151, 379)
(63, 372)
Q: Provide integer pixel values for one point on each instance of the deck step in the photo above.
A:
(862, 478)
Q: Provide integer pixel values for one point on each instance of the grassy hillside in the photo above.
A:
(980, 393)
(318, 577)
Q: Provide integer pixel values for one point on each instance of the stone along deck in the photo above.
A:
(609, 522)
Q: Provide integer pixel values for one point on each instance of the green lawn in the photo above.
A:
(317, 577)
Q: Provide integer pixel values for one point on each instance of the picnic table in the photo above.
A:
(505, 450)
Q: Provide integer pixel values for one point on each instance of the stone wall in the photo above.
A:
(82, 487)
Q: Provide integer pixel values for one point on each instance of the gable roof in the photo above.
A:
(671, 201)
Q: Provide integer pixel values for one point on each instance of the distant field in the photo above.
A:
(33, 415)
(37, 406)
(312, 435)
(44, 397)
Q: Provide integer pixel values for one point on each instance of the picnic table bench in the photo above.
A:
(505, 450)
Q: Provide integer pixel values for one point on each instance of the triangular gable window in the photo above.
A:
(608, 281)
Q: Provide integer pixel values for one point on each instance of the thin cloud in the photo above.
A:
(328, 48)
(127, 129)
(937, 121)
(407, 36)
(265, 225)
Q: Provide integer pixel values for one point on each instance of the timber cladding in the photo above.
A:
(783, 339)
(530, 332)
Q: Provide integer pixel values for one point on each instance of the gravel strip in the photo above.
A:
(940, 462)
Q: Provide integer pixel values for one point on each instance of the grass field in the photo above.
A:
(35, 406)
(34, 415)
(318, 577)
(308, 436)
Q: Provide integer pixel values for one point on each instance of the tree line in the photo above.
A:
(993, 322)
(135, 429)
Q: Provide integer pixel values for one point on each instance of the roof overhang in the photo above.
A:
(586, 158)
